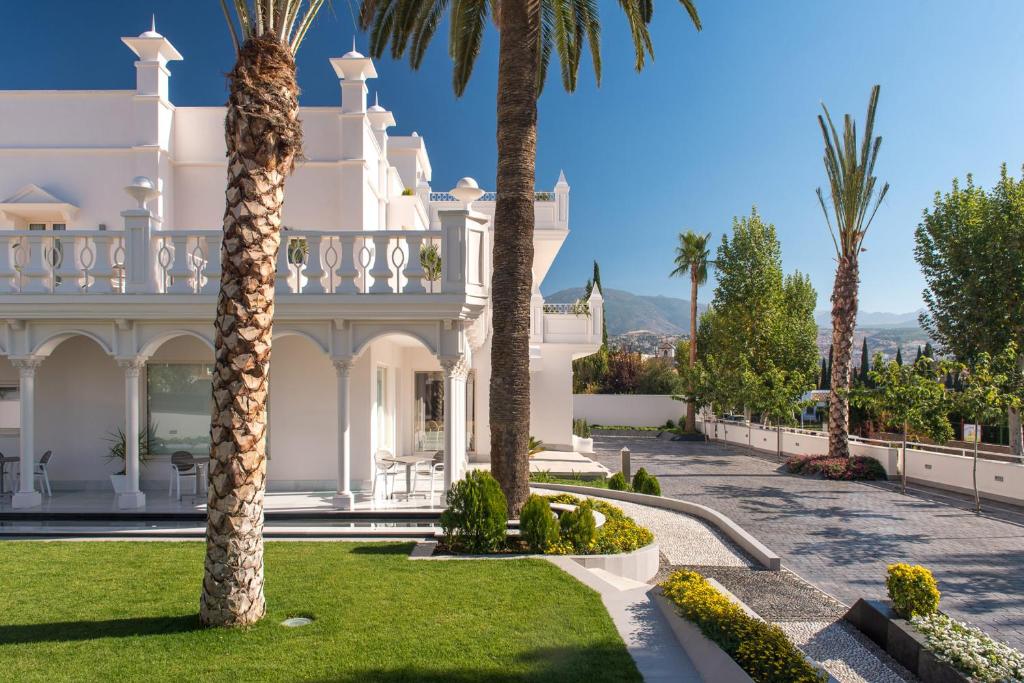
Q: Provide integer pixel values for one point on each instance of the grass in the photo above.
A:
(127, 611)
(545, 478)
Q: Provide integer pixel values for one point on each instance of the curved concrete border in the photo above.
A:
(753, 547)
(640, 565)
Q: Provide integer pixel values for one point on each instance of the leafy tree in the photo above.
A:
(912, 397)
(264, 137)
(692, 261)
(657, 376)
(850, 168)
(758, 319)
(776, 394)
(624, 369)
(989, 387)
(969, 247)
(529, 33)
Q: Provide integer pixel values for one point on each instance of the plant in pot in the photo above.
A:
(430, 261)
(119, 450)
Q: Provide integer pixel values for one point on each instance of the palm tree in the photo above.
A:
(529, 32)
(692, 259)
(850, 168)
(263, 136)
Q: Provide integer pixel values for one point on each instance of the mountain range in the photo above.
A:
(628, 312)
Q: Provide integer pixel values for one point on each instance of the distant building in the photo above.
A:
(819, 401)
(666, 350)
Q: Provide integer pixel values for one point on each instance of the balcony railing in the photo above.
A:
(146, 261)
(489, 197)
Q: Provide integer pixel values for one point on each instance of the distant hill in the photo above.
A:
(627, 312)
(867, 319)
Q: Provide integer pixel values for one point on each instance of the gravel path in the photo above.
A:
(811, 618)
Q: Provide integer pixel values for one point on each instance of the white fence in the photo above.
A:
(997, 480)
(632, 410)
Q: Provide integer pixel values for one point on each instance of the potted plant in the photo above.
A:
(118, 453)
(582, 442)
(430, 261)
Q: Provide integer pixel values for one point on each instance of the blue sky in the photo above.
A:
(722, 120)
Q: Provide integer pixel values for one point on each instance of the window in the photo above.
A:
(179, 400)
(428, 421)
(384, 411)
(10, 407)
(429, 408)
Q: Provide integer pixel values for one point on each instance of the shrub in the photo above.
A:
(970, 650)
(669, 424)
(856, 468)
(476, 519)
(618, 482)
(621, 536)
(538, 526)
(646, 483)
(579, 528)
(581, 428)
(760, 649)
(912, 589)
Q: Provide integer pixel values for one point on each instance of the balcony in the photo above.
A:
(579, 323)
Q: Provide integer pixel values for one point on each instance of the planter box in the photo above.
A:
(876, 620)
(119, 482)
(581, 445)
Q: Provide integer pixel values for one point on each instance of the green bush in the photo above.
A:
(760, 649)
(617, 482)
(912, 589)
(581, 428)
(579, 529)
(619, 533)
(643, 482)
(476, 519)
(538, 526)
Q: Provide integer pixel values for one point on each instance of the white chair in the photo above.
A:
(384, 466)
(40, 473)
(431, 468)
(183, 466)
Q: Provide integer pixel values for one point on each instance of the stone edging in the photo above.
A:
(753, 547)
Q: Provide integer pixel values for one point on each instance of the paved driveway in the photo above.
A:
(841, 535)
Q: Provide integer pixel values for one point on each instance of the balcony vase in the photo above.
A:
(119, 482)
(582, 445)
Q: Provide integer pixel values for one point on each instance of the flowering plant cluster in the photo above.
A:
(970, 650)
(854, 468)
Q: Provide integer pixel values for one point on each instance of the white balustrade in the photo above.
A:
(310, 262)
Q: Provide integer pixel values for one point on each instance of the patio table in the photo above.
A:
(4, 460)
(410, 461)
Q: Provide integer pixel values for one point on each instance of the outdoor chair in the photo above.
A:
(183, 466)
(431, 468)
(40, 473)
(384, 466)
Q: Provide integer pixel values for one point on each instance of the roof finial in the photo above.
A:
(353, 42)
(375, 95)
(152, 23)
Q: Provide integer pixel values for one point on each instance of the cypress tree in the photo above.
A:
(828, 374)
(864, 362)
(928, 350)
(596, 281)
(918, 356)
(823, 378)
(899, 355)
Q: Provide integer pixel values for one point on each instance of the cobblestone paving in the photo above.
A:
(841, 535)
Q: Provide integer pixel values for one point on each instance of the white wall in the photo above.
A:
(633, 410)
(996, 480)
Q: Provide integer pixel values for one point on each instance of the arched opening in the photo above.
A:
(79, 409)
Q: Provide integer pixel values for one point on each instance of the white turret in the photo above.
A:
(153, 51)
(353, 69)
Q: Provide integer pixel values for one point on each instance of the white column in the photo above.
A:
(455, 372)
(343, 498)
(27, 496)
(132, 497)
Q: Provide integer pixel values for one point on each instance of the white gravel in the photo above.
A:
(840, 652)
(682, 539)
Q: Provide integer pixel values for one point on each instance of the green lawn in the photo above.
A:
(127, 611)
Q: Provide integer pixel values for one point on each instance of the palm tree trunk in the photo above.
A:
(512, 280)
(691, 408)
(844, 319)
(263, 135)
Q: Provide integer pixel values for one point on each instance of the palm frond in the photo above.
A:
(285, 20)
(467, 29)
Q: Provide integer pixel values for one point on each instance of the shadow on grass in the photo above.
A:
(64, 631)
(589, 663)
(383, 549)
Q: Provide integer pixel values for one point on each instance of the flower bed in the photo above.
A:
(854, 468)
(618, 534)
(970, 650)
(762, 650)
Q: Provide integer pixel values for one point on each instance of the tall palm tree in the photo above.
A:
(692, 259)
(263, 136)
(529, 32)
(850, 168)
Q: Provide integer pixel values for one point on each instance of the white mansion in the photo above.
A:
(110, 212)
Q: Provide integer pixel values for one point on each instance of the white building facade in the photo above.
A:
(110, 219)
